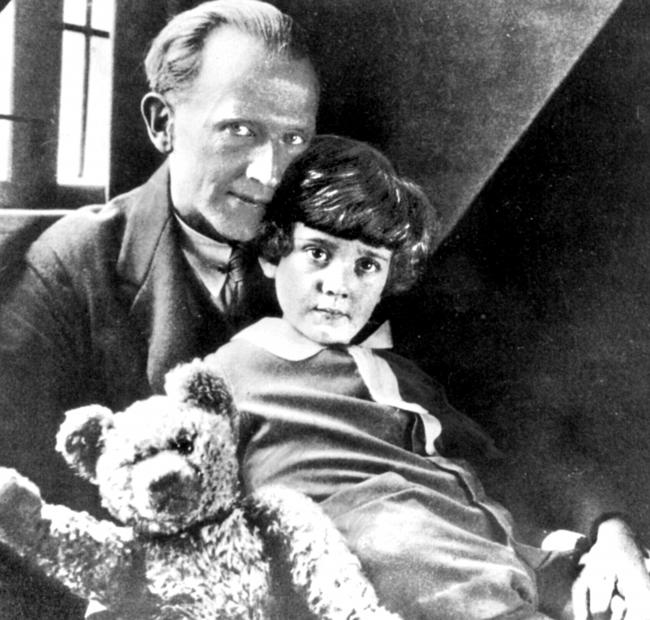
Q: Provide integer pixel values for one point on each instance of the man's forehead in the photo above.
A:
(230, 53)
(249, 76)
(287, 93)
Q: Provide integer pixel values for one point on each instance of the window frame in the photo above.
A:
(35, 109)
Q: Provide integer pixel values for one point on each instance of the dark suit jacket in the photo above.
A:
(103, 308)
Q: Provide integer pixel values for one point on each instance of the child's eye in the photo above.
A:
(318, 255)
(367, 265)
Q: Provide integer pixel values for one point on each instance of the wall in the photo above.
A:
(133, 158)
(445, 88)
(539, 302)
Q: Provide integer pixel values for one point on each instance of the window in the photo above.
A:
(55, 101)
(6, 78)
(85, 93)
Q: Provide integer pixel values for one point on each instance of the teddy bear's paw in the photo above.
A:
(20, 507)
(323, 570)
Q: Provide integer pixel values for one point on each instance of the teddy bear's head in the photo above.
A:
(164, 463)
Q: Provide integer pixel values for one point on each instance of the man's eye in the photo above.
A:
(295, 139)
(367, 265)
(240, 130)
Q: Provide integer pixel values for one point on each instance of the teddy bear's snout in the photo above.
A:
(173, 492)
(166, 484)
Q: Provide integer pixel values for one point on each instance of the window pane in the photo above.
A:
(99, 113)
(5, 149)
(6, 87)
(102, 18)
(7, 55)
(74, 11)
(71, 108)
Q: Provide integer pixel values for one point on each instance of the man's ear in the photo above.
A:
(268, 268)
(158, 117)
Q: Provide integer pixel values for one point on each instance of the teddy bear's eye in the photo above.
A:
(184, 443)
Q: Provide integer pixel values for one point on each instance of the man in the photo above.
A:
(111, 298)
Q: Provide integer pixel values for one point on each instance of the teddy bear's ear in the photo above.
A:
(81, 438)
(199, 384)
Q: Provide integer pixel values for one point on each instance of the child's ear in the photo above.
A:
(268, 268)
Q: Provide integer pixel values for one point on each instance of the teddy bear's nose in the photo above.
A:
(171, 492)
(165, 483)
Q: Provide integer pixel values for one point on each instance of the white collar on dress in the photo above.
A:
(278, 337)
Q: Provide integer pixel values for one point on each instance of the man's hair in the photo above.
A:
(348, 189)
(174, 58)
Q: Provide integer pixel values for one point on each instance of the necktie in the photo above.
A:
(232, 292)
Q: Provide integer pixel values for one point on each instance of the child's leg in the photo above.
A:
(424, 565)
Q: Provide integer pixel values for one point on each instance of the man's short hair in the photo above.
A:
(174, 58)
(348, 189)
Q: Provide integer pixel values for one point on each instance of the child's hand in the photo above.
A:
(614, 577)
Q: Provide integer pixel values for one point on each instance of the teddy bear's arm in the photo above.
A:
(95, 559)
(324, 572)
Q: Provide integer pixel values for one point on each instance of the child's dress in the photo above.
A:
(429, 539)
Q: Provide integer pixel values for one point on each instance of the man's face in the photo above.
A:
(327, 286)
(235, 131)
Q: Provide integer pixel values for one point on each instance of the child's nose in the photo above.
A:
(335, 281)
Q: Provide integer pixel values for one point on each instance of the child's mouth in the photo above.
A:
(331, 313)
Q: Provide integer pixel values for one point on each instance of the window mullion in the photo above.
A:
(35, 98)
(86, 86)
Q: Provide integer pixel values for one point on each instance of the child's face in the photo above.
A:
(327, 286)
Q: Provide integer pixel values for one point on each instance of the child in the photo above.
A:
(361, 429)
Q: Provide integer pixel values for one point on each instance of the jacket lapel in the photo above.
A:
(168, 306)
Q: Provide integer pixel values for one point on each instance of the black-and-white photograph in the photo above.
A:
(324, 309)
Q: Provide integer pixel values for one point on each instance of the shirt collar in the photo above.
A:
(280, 339)
(209, 253)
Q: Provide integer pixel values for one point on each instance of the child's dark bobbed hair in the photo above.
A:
(348, 189)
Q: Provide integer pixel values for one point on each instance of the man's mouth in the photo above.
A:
(260, 203)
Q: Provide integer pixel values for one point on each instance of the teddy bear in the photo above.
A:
(188, 545)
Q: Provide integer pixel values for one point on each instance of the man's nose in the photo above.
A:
(265, 165)
(335, 280)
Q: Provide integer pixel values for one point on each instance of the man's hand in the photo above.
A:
(614, 581)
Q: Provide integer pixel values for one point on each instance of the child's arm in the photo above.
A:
(613, 569)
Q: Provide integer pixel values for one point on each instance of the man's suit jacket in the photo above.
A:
(104, 307)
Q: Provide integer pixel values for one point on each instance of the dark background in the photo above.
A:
(532, 136)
